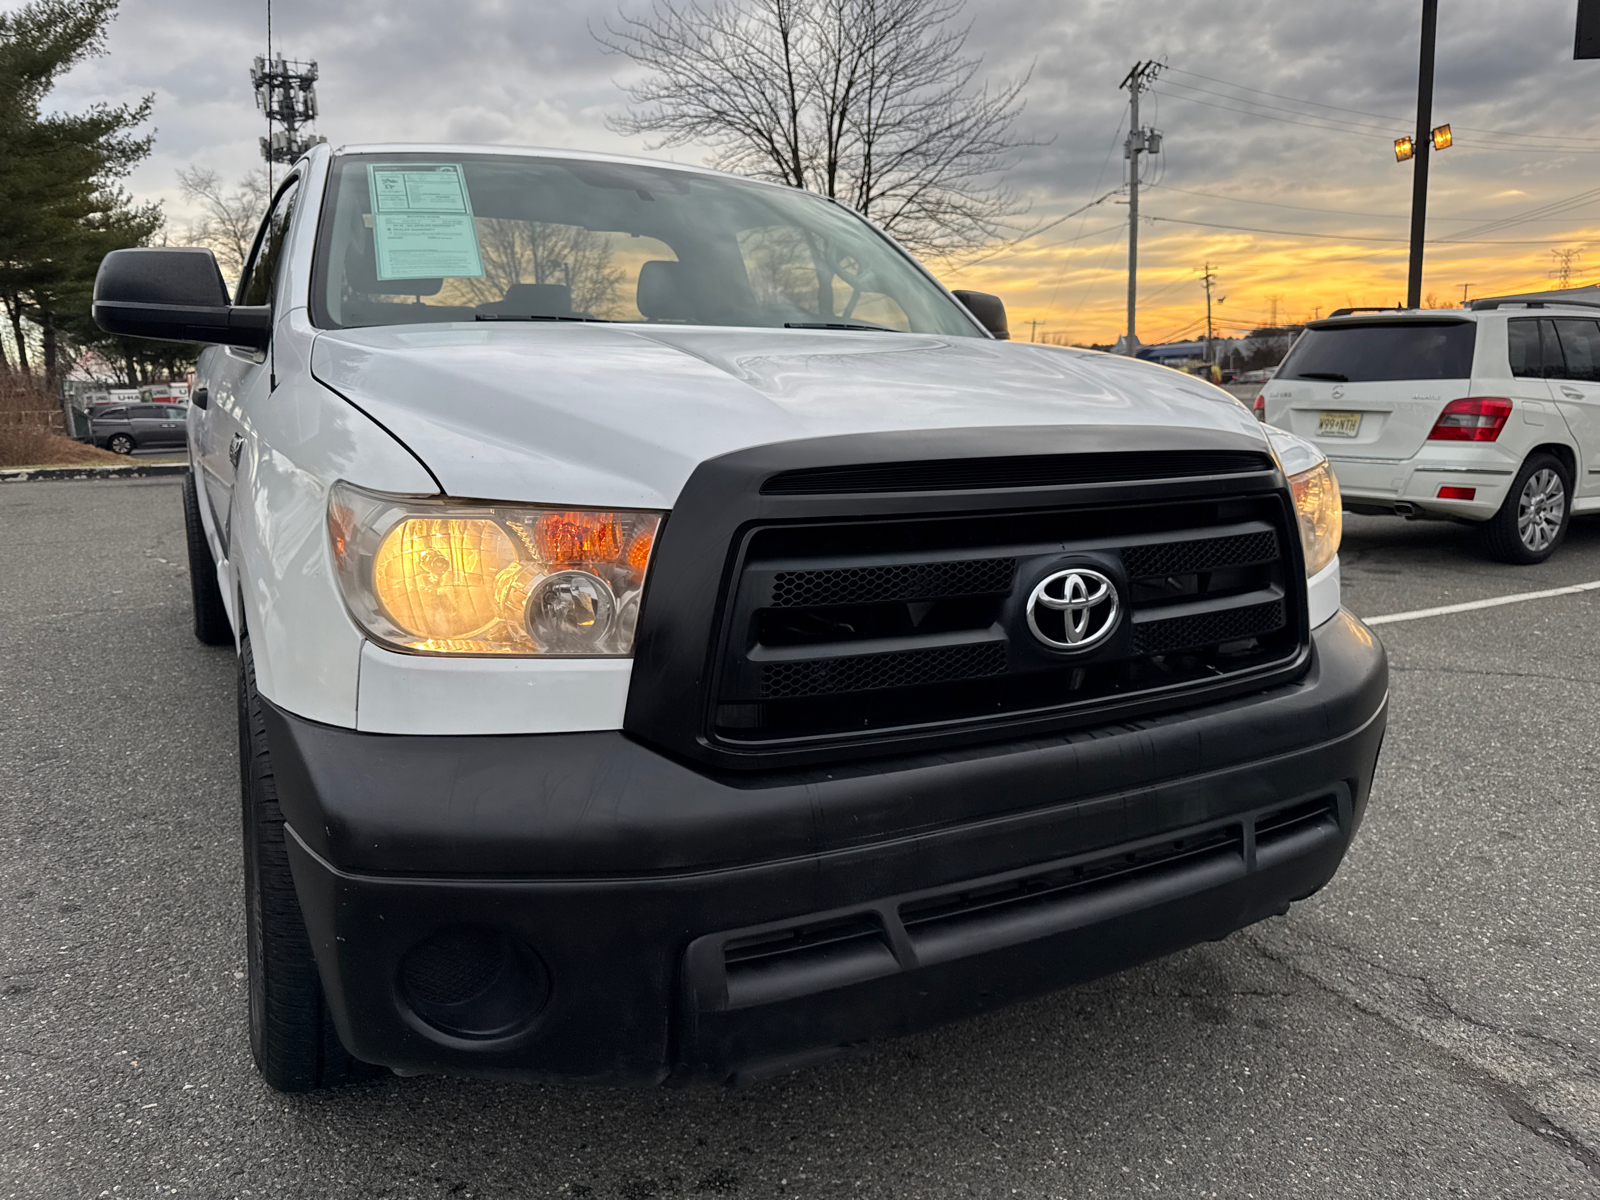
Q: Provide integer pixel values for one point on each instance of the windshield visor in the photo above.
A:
(412, 238)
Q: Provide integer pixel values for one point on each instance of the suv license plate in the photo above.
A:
(1339, 425)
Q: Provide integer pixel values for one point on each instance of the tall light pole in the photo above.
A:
(1420, 148)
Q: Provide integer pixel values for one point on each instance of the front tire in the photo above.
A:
(292, 1037)
(210, 617)
(119, 443)
(1533, 520)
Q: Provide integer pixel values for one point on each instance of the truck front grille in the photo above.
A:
(835, 631)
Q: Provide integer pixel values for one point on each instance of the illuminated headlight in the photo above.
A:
(1316, 503)
(436, 576)
(1316, 496)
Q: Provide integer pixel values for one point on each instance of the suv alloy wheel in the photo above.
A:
(1533, 519)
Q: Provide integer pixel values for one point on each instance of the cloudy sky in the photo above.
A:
(1277, 167)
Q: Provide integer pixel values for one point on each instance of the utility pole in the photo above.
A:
(1464, 289)
(1421, 146)
(1208, 278)
(1140, 141)
(1033, 330)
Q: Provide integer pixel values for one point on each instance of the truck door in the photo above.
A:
(238, 379)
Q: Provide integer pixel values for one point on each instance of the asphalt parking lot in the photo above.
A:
(1426, 1026)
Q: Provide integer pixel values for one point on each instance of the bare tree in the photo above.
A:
(229, 219)
(872, 102)
(540, 252)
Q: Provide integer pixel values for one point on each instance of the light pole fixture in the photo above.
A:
(1442, 139)
(1404, 148)
(1426, 138)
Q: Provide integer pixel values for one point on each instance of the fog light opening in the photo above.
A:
(474, 982)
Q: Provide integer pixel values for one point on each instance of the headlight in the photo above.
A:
(450, 577)
(1316, 503)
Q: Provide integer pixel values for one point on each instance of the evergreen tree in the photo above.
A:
(61, 206)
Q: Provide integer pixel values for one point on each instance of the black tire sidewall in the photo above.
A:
(1500, 532)
(292, 1037)
(119, 443)
(211, 627)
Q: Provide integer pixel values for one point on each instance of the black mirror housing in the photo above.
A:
(990, 311)
(176, 295)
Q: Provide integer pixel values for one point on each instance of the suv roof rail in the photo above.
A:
(1514, 301)
(1345, 312)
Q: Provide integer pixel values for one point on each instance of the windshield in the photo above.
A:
(411, 238)
(1369, 353)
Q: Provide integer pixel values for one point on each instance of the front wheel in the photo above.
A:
(210, 617)
(292, 1037)
(1533, 519)
(119, 443)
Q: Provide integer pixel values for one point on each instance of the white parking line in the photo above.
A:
(1494, 602)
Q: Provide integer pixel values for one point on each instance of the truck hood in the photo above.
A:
(619, 416)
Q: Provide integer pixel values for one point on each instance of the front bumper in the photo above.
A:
(673, 925)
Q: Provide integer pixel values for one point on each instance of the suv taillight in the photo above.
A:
(1260, 407)
(1471, 419)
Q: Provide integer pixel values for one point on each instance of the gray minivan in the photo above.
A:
(122, 428)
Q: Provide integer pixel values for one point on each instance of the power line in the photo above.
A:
(1100, 175)
(1341, 237)
(1383, 129)
(1335, 125)
(1338, 212)
(1553, 208)
(1401, 121)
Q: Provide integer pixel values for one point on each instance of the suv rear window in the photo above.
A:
(1369, 353)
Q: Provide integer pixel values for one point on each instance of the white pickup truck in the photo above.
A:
(678, 640)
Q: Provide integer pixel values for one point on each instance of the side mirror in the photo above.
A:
(990, 311)
(176, 295)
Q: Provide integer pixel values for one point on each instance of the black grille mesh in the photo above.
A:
(907, 581)
(1200, 554)
(1208, 629)
(455, 966)
(871, 672)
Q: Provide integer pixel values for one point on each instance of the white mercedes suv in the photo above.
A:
(1489, 415)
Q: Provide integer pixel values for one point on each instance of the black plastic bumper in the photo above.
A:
(689, 926)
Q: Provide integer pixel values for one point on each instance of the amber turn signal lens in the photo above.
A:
(564, 539)
(1321, 514)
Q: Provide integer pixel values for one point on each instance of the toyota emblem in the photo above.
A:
(1075, 609)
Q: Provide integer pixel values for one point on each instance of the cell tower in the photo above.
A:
(286, 91)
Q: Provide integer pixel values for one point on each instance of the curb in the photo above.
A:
(92, 471)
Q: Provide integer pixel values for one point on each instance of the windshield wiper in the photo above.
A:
(836, 325)
(1333, 376)
(536, 317)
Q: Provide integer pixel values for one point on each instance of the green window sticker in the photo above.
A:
(422, 221)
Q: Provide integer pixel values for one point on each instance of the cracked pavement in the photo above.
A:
(1426, 1026)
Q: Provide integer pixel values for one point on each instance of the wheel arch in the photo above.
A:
(1560, 450)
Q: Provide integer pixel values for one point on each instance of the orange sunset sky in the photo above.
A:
(1277, 117)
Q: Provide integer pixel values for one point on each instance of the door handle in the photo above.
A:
(234, 449)
(1571, 393)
